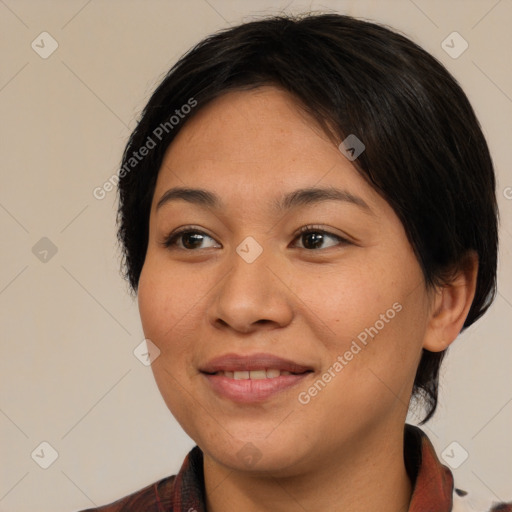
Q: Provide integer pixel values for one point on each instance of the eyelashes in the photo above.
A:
(191, 236)
(310, 230)
(171, 240)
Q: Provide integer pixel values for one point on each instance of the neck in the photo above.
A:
(370, 475)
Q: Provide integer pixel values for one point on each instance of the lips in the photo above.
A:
(253, 364)
(252, 379)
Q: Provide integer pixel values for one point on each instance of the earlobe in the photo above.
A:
(451, 303)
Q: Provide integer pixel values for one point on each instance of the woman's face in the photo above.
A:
(346, 302)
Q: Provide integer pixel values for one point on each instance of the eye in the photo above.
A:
(191, 239)
(314, 237)
(186, 239)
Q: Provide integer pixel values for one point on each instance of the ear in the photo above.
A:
(450, 306)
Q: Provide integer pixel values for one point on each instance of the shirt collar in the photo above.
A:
(432, 481)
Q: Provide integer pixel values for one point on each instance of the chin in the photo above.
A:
(258, 455)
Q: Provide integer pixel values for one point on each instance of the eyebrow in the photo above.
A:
(299, 197)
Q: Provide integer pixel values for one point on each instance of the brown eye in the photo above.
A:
(186, 239)
(314, 238)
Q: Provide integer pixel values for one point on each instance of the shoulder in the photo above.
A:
(183, 491)
(464, 501)
(434, 482)
(155, 497)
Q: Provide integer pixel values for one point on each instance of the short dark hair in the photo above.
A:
(425, 152)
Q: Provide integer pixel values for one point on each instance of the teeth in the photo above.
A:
(257, 374)
(271, 373)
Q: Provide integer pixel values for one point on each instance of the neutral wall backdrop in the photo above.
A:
(69, 377)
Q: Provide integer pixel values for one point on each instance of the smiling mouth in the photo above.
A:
(270, 373)
(253, 386)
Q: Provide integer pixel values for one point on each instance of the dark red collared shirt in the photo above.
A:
(433, 488)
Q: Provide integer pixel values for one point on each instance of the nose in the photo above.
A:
(251, 296)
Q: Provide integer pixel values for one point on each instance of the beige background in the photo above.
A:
(68, 326)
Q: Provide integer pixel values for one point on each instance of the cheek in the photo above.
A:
(393, 337)
(164, 302)
(152, 301)
(340, 304)
(170, 303)
(163, 308)
(373, 315)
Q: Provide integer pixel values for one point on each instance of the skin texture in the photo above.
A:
(295, 301)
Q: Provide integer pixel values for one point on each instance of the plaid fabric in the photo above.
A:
(433, 489)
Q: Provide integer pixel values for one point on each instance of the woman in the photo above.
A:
(308, 218)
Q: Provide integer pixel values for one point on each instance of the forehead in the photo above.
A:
(253, 144)
(263, 124)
